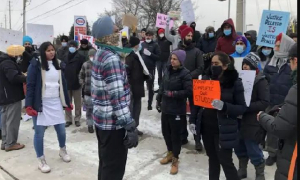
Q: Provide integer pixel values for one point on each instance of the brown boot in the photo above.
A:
(17, 146)
(167, 159)
(174, 166)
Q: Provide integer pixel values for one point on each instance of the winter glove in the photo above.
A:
(147, 52)
(69, 108)
(218, 104)
(131, 137)
(158, 106)
(169, 93)
(30, 111)
(193, 129)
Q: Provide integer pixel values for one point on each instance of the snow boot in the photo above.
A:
(43, 166)
(270, 161)
(174, 166)
(260, 171)
(64, 155)
(167, 159)
(242, 171)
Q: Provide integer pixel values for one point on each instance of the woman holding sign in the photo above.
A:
(176, 86)
(219, 125)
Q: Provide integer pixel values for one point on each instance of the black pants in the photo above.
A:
(135, 108)
(218, 156)
(161, 66)
(112, 154)
(171, 132)
(150, 87)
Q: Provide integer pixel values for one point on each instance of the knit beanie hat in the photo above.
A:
(73, 43)
(160, 31)
(15, 50)
(181, 55)
(133, 41)
(92, 52)
(103, 27)
(252, 60)
(185, 31)
(241, 38)
(27, 39)
(84, 41)
(64, 38)
(278, 38)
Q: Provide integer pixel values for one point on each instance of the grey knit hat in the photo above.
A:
(103, 27)
(92, 52)
(252, 59)
(181, 55)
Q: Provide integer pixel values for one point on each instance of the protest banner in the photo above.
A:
(9, 37)
(272, 23)
(130, 21)
(40, 33)
(161, 21)
(80, 25)
(248, 78)
(91, 39)
(174, 15)
(187, 11)
(205, 91)
(238, 63)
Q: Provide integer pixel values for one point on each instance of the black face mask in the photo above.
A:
(187, 42)
(28, 49)
(216, 71)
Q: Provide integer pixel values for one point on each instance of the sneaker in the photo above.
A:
(90, 129)
(199, 146)
(174, 166)
(68, 124)
(64, 155)
(43, 166)
(77, 123)
(270, 161)
(149, 108)
(16, 146)
(167, 159)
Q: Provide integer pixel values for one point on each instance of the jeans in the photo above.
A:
(150, 86)
(39, 132)
(249, 149)
(161, 66)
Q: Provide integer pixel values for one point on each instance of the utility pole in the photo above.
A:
(229, 4)
(5, 21)
(269, 5)
(9, 14)
(24, 17)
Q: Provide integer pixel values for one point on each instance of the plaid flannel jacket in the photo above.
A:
(110, 91)
(85, 77)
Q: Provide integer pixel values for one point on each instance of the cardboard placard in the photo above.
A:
(205, 91)
(129, 20)
(161, 21)
(272, 23)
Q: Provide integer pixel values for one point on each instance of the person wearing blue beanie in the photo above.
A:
(27, 41)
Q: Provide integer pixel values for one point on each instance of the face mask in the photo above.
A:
(91, 58)
(72, 49)
(28, 49)
(148, 40)
(161, 35)
(239, 49)
(266, 52)
(211, 35)
(187, 42)
(216, 71)
(227, 32)
(64, 44)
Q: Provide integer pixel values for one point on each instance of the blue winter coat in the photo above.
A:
(247, 51)
(35, 86)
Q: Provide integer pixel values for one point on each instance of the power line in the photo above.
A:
(39, 5)
(17, 21)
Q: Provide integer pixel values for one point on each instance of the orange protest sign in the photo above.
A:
(205, 91)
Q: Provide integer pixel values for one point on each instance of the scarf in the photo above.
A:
(112, 42)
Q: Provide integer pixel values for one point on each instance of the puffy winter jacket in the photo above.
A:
(226, 44)
(164, 45)
(284, 126)
(207, 45)
(150, 61)
(179, 80)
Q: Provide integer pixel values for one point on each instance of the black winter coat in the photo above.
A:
(150, 61)
(175, 80)
(194, 60)
(72, 70)
(26, 58)
(284, 126)
(135, 75)
(250, 127)
(62, 53)
(164, 45)
(232, 94)
(206, 44)
(11, 81)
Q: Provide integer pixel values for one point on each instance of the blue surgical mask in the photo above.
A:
(239, 49)
(211, 35)
(227, 32)
(266, 52)
(64, 44)
(72, 49)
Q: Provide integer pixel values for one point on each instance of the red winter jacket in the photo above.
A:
(226, 44)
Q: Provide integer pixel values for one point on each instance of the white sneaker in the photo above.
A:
(64, 155)
(43, 166)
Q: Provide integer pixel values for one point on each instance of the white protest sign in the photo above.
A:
(161, 21)
(187, 11)
(248, 78)
(9, 37)
(91, 39)
(238, 62)
(40, 33)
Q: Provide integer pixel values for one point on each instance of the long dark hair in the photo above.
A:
(44, 60)
(223, 57)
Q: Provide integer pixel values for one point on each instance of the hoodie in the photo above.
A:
(247, 51)
(253, 35)
(226, 44)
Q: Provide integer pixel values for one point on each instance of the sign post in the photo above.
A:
(80, 25)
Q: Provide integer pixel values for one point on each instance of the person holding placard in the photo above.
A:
(265, 54)
(171, 102)
(242, 47)
(226, 43)
(219, 125)
(278, 73)
(252, 134)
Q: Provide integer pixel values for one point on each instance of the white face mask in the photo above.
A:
(148, 40)
(64, 44)
(161, 35)
(91, 58)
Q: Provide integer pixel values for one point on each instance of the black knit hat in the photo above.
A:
(73, 43)
(252, 60)
(63, 37)
(293, 51)
(134, 41)
(84, 41)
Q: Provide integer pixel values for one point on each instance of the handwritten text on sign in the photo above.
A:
(161, 21)
(272, 23)
(205, 91)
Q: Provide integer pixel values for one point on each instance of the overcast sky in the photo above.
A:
(208, 11)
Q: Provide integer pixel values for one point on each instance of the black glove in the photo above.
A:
(131, 137)
(158, 106)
